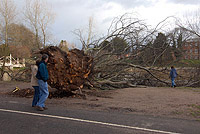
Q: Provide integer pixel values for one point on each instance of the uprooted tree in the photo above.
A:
(130, 55)
(133, 54)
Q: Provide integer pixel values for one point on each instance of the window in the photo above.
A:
(196, 44)
(186, 57)
(190, 50)
(196, 51)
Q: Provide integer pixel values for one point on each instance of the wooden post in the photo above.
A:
(23, 62)
(11, 65)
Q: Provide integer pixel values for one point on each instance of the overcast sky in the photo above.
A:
(74, 14)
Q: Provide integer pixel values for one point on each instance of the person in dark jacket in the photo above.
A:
(42, 76)
(173, 74)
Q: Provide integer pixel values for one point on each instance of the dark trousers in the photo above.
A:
(36, 95)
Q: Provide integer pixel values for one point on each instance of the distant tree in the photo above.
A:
(46, 18)
(157, 52)
(160, 47)
(7, 16)
(2, 50)
(191, 23)
(1, 27)
(39, 15)
(86, 36)
(19, 35)
(20, 51)
(178, 37)
(118, 45)
(90, 30)
(105, 45)
(65, 46)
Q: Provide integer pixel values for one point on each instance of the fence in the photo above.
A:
(12, 62)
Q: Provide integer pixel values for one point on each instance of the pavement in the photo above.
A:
(17, 117)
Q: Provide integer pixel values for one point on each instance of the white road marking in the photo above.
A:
(88, 121)
(14, 102)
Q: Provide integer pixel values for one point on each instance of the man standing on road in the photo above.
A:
(173, 74)
(42, 76)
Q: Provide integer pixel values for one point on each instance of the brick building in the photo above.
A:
(191, 49)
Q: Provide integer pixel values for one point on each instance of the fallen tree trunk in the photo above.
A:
(67, 71)
(70, 71)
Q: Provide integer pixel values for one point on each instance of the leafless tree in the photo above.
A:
(132, 52)
(191, 23)
(121, 50)
(0, 34)
(45, 20)
(86, 36)
(39, 15)
(7, 16)
(21, 35)
(90, 28)
(32, 13)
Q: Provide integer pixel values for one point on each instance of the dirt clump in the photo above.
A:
(67, 71)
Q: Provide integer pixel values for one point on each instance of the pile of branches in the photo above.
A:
(127, 55)
(28, 93)
(134, 54)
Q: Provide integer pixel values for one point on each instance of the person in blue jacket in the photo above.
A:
(173, 74)
(42, 76)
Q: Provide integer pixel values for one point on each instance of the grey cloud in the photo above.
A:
(107, 20)
(133, 3)
(73, 14)
(67, 3)
(93, 4)
(188, 2)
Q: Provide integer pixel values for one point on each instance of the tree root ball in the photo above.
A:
(68, 71)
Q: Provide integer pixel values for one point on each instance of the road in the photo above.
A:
(17, 117)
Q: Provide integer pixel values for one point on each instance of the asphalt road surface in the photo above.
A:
(18, 117)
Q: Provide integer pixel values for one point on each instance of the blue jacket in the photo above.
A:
(173, 73)
(42, 73)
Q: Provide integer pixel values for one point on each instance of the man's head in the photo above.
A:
(37, 62)
(172, 67)
(45, 57)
